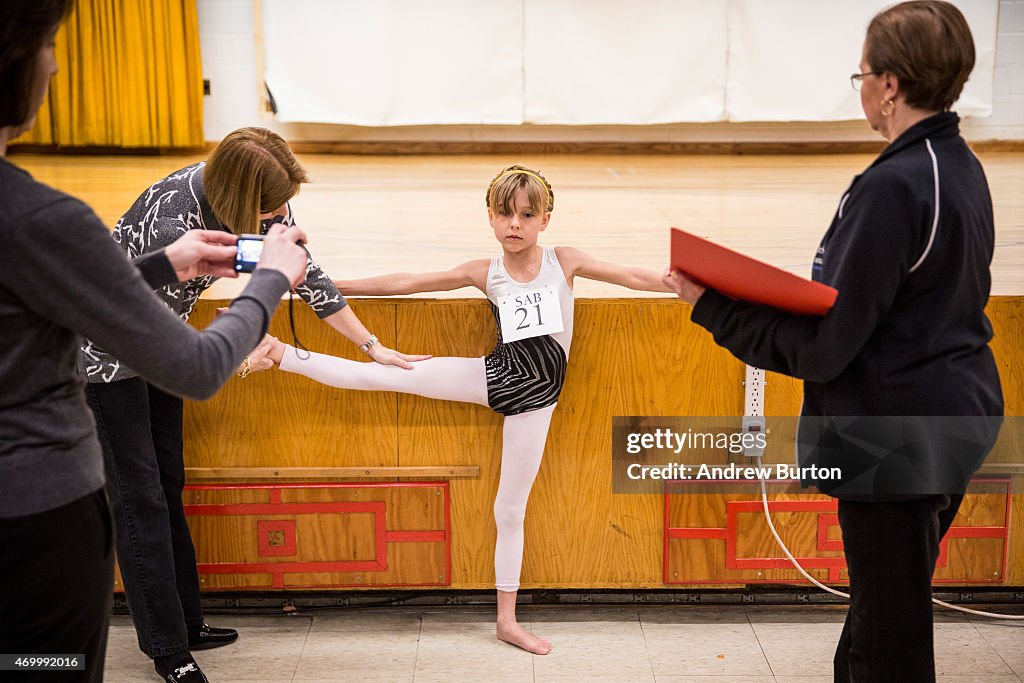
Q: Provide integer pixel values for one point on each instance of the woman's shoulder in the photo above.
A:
(901, 174)
(25, 198)
(176, 194)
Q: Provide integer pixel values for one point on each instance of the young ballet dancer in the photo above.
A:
(530, 290)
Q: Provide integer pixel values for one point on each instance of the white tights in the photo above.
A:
(464, 380)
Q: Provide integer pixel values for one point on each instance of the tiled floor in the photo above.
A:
(657, 644)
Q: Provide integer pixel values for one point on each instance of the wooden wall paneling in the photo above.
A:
(310, 536)
(435, 432)
(274, 418)
(714, 536)
(630, 357)
(1006, 314)
(1015, 555)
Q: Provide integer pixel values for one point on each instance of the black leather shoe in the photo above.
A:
(180, 668)
(208, 637)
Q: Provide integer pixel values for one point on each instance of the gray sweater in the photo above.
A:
(59, 272)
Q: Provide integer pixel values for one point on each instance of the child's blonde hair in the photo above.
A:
(252, 171)
(501, 193)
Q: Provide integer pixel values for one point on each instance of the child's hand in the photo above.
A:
(687, 290)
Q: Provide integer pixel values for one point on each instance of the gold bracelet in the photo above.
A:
(246, 368)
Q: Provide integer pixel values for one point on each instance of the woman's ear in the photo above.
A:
(891, 83)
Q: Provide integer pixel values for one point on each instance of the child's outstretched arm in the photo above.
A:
(576, 263)
(472, 273)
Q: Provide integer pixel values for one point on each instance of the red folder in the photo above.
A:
(747, 279)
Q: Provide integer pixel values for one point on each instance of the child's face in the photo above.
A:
(518, 231)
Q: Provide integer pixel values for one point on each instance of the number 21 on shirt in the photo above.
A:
(530, 313)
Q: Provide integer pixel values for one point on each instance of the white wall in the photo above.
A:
(1007, 120)
(229, 38)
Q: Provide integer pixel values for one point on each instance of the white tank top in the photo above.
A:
(500, 284)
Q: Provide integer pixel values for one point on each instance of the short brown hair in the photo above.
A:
(501, 193)
(252, 171)
(927, 44)
(24, 25)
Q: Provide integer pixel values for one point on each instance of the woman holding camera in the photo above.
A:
(59, 270)
(244, 187)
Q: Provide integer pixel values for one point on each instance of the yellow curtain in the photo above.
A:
(130, 75)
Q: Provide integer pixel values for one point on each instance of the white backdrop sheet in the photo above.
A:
(613, 62)
(395, 62)
(580, 62)
(790, 60)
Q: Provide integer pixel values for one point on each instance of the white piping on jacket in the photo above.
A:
(935, 222)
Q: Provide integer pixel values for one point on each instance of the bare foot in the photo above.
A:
(514, 634)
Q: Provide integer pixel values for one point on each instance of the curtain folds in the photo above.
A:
(130, 75)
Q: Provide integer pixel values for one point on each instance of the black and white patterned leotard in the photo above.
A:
(528, 374)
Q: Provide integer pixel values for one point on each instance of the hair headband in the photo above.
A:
(521, 171)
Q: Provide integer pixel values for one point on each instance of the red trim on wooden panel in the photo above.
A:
(264, 527)
(825, 520)
(824, 542)
(279, 570)
(337, 567)
(696, 532)
(977, 532)
(414, 536)
(448, 534)
(215, 510)
(666, 535)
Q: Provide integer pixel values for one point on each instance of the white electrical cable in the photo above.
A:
(833, 591)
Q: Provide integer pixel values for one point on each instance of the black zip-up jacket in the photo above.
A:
(909, 250)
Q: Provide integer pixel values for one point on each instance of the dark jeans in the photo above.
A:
(140, 430)
(56, 580)
(891, 550)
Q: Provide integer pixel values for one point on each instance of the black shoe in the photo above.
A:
(208, 637)
(179, 668)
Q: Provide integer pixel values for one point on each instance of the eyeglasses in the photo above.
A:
(855, 79)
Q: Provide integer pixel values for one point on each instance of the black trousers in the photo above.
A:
(57, 571)
(140, 430)
(891, 550)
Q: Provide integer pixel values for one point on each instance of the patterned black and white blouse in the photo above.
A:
(160, 216)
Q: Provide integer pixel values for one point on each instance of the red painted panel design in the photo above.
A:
(276, 528)
(824, 510)
(268, 530)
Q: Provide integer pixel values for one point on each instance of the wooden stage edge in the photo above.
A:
(223, 475)
(269, 474)
(416, 148)
(399, 489)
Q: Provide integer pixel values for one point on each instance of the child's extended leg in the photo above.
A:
(523, 438)
(448, 379)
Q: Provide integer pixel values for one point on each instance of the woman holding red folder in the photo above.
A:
(909, 250)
